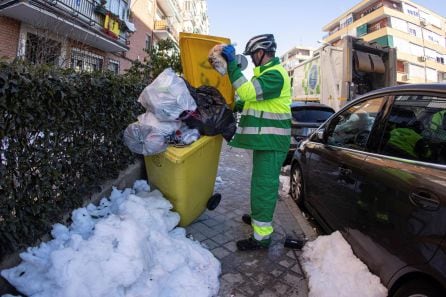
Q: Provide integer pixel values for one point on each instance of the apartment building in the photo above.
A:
(295, 56)
(418, 34)
(82, 34)
(195, 18)
(94, 34)
(164, 19)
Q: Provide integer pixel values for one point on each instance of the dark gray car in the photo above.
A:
(376, 171)
(306, 118)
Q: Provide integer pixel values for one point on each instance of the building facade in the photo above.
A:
(295, 56)
(94, 34)
(82, 34)
(195, 17)
(418, 34)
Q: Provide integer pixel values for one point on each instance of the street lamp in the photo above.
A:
(422, 25)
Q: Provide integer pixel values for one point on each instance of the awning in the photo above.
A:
(130, 26)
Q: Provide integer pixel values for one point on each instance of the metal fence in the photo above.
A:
(84, 11)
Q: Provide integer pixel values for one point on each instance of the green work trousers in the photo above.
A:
(265, 183)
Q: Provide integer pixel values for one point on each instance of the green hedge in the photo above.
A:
(60, 137)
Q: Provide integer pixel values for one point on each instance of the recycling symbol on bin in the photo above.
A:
(204, 79)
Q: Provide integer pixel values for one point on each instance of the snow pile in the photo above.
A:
(127, 246)
(284, 188)
(333, 270)
(284, 179)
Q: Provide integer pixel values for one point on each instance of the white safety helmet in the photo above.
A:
(265, 42)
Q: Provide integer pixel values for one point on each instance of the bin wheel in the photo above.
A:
(214, 201)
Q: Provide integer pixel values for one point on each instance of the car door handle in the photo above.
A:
(345, 175)
(344, 171)
(424, 200)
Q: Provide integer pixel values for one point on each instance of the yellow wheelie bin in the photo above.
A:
(194, 51)
(186, 175)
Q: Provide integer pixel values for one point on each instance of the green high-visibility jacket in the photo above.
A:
(436, 129)
(265, 123)
(404, 139)
(437, 120)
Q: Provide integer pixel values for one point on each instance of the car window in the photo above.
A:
(416, 129)
(352, 127)
(313, 115)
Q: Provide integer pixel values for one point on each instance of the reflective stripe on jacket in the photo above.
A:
(265, 123)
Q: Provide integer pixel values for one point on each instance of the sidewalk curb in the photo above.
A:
(309, 231)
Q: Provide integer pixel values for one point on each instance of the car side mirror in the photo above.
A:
(242, 62)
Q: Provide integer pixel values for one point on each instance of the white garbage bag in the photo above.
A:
(166, 128)
(144, 140)
(167, 96)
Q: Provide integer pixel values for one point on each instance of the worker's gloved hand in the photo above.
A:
(228, 53)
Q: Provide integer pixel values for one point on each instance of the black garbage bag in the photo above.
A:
(212, 116)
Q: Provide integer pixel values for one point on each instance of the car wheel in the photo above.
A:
(418, 288)
(296, 184)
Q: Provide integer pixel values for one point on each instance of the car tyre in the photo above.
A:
(418, 288)
(296, 185)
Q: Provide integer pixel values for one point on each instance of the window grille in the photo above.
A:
(42, 50)
(113, 66)
(82, 60)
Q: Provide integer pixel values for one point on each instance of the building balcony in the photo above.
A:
(407, 78)
(374, 14)
(75, 19)
(163, 30)
(169, 7)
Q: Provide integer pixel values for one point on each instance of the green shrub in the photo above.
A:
(60, 137)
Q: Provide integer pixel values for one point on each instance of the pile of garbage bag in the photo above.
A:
(212, 115)
(177, 113)
(167, 96)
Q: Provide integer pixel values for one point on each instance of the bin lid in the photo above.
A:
(194, 51)
(178, 155)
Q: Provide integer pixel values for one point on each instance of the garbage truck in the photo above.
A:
(337, 74)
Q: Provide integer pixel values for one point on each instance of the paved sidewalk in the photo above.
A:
(272, 272)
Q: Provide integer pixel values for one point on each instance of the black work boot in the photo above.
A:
(251, 244)
(246, 218)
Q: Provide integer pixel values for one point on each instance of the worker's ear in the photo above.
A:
(258, 53)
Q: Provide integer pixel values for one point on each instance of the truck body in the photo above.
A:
(337, 74)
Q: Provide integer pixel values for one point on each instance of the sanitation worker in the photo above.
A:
(435, 132)
(437, 125)
(264, 127)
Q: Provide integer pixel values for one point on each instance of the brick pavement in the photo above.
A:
(272, 272)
